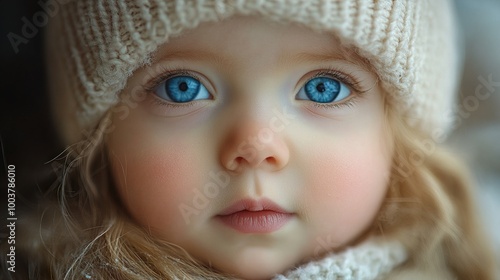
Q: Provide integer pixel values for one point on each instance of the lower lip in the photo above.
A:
(256, 221)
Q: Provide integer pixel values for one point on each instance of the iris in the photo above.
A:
(322, 89)
(182, 89)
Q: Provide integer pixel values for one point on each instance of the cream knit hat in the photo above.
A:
(93, 46)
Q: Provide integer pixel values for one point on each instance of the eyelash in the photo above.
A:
(348, 80)
(168, 73)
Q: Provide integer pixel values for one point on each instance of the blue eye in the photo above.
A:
(182, 89)
(323, 90)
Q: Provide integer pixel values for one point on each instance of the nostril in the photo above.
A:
(233, 165)
(271, 160)
(271, 156)
(239, 160)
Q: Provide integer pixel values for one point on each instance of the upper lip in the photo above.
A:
(262, 204)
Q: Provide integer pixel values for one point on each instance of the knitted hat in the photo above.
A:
(93, 46)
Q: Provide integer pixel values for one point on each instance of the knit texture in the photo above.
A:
(370, 260)
(93, 46)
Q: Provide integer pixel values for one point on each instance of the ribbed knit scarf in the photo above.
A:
(369, 260)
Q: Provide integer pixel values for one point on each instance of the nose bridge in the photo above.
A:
(255, 139)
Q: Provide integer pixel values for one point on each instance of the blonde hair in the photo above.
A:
(428, 207)
(86, 233)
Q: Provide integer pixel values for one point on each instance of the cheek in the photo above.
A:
(154, 182)
(347, 186)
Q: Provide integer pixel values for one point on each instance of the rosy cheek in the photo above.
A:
(157, 181)
(345, 192)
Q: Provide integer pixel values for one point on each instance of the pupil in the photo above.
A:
(321, 87)
(183, 86)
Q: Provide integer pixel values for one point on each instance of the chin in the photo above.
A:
(256, 273)
(253, 266)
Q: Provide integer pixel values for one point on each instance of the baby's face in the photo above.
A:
(258, 146)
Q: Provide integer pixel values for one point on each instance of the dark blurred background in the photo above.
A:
(28, 139)
(26, 135)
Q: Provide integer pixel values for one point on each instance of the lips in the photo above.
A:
(254, 216)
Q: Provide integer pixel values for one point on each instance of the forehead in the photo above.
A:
(253, 38)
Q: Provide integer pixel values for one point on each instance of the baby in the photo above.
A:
(258, 140)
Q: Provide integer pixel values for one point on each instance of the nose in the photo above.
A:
(254, 145)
